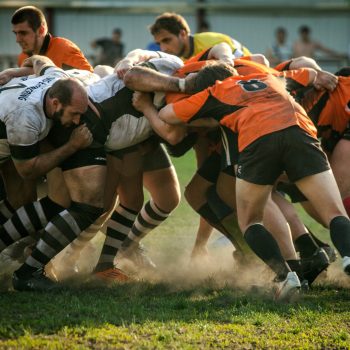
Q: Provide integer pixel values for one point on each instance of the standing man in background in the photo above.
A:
(306, 46)
(280, 50)
(111, 49)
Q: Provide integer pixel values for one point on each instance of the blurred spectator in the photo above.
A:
(280, 50)
(111, 49)
(306, 46)
(203, 27)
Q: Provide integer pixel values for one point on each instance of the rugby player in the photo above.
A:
(259, 165)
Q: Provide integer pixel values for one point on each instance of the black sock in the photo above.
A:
(340, 234)
(266, 248)
(295, 265)
(317, 240)
(305, 245)
(207, 213)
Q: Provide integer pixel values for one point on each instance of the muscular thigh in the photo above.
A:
(86, 184)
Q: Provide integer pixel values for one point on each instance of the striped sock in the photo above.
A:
(118, 227)
(27, 220)
(59, 232)
(6, 211)
(149, 218)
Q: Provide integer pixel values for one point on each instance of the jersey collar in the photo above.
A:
(45, 44)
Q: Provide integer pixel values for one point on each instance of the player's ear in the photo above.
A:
(183, 34)
(55, 102)
(42, 29)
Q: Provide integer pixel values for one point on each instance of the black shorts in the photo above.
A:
(156, 159)
(85, 157)
(291, 150)
(212, 166)
(229, 152)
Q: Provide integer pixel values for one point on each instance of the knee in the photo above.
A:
(169, 202)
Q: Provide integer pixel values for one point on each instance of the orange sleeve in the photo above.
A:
(66, 55)
(187, 108)
(283, 65)
(300, 76)
(75, 58)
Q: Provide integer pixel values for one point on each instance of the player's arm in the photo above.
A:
(310, 77)
(222, 52)
(173, 134)
(148, 80)
(38, 63)
(25, 150)
(132, 58)
(10, 73)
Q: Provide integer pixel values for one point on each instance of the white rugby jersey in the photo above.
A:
(22, 109)
(126, 125)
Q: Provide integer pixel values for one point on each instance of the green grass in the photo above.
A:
(184, 308)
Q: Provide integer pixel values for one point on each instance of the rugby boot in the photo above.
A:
(38, 281)
(112, 275)
(288, 288)
(311, 267)
(346, 264)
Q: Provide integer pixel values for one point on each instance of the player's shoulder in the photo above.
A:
(62, 43)
(211, 35)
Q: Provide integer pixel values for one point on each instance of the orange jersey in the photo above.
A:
(330, 110)
(62, 52)
(252, 106)
(244, 66)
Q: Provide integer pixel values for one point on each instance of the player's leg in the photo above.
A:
(84, 174)
(340, 163)
(127, 168)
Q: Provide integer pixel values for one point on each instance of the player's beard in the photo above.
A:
(182, 49)
(35, 49)
(56, 116)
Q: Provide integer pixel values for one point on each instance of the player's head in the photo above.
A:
(281, 34)
(68, 100)
(210, 73)
(116, 35)
(171, 31)
(304, 32)
(30, 28)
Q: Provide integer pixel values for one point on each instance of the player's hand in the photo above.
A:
(122, 67)
(141, 100)
(81, 137)
(325, 80)
(6, 75)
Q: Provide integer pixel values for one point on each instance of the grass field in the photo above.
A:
(206, 306)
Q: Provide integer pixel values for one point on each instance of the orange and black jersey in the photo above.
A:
(329, 110)
(252, 106)
(244, 66)
(63, 53)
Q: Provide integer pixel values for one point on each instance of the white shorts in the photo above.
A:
(127, 131)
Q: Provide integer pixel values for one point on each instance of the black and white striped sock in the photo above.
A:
(27, 220)
(148, 218)
(6, 211)
(118, 227)
(59, 232)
